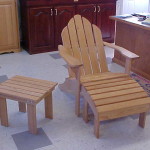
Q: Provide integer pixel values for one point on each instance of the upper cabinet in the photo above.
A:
(9, 34)
(43, 20)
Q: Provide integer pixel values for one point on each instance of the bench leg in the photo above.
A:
(32, 125)
(96, 127)
(3, 112)
(85, 113)
(142, 119)
(22, 107)
(49, 106)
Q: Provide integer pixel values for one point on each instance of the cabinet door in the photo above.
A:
(8, 27)
(62, 16)
(106, 25)
(87, 11)
(41, 28)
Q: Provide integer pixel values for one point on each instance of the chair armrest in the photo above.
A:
(71, 61)
(122, 50)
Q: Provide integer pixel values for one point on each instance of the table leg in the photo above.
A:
(3, 112)
(32, 125)
(48, 106)
(22, 106)
(142, 119)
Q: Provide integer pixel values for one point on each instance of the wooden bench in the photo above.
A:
(28, 91)
(113, 97)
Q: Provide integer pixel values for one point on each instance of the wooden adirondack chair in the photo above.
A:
(105, 92)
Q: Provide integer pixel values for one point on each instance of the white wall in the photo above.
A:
(132, 6)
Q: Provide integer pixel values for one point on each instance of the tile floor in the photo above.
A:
(65, 131)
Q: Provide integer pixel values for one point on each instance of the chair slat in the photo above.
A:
(91, 46)
(66, 39)
(83, 45)
(100, 48)
(67, 44)
(74, 42)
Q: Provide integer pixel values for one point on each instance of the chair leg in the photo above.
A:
(142, 119)
(77, 105)
(48, 107)
(96, 127)
(85, 113)
(3, 112)
(22, 107)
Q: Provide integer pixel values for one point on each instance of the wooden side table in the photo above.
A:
(28, 91)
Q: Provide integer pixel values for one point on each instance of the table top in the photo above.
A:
(26, 89)
(131, 21)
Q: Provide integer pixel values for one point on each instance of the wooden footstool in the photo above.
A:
(28, 91)
(113, 98)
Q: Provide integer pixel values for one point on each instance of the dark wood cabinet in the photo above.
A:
(41, 29)
(62, 16)
(106, 25)
(43, 20)
(87, 11)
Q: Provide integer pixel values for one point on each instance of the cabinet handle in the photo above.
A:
(94, 8)
(51, 12)
(99, 9)
(56, 12)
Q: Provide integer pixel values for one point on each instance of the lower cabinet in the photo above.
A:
(62, 15)
(106, 25)
(42, 26)
(41, 30)
(9, 34)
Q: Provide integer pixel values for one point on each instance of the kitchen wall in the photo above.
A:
(133, 6)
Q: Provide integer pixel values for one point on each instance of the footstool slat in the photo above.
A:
(114, 88)
(117, 93)
(111, 84)
(122, 105)
(103, 76)
(123, 112)
(101, 82)
(28, 91)
(120, 98)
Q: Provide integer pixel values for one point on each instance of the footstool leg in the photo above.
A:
(85, 113)
(22, 107)
(3, 112)
(32, 125)
(142, 119)
(96, 127)
(48, 106)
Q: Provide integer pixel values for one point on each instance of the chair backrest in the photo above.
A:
(83, 41)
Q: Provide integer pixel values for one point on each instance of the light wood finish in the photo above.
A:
(110, 95)
(28, 91)
(110, 100)
(134, 37)
(32, 124)
(9, 28)
(83, 50)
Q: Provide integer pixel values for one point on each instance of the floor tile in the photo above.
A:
(3, 78)
(28, 141)
(55, 56)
